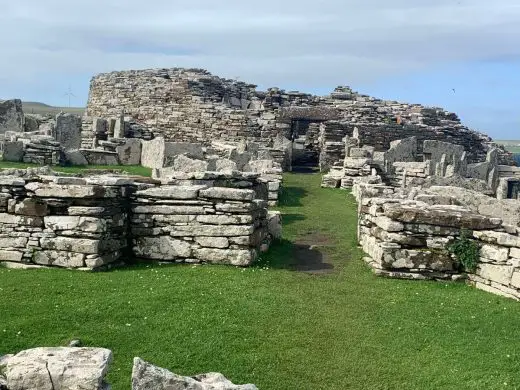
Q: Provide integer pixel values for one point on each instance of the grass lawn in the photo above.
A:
(130, 169)
(270, 325)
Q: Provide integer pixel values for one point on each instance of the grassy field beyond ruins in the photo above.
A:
(282, 324)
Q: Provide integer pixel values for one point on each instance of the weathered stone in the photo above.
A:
(68, 131)
(169, 210)
(59, 259)
(227, 193)
(495, 253)
(183, 163)
(13, 151)
(100, 157)
(72, 191)
(6, 255)
(274, 224)
(161, 248)
(213, 230)
(13, 242)
(388, 224)
(32, 207)
(146, 377)
(130, 152)
(74, 157)
(213, 242)
(440, 216)
(61, 368)
(497, 273)
(225, 219)
(225, 256)
(172, 192)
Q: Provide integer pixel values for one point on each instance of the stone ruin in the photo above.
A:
(408, 163)
(192, 106)
(96, 222)
(85, 368)
(415, 199)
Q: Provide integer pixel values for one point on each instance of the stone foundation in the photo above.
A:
(407, 236)
(92, 223)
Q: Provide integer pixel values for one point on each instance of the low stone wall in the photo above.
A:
(64, 222)
(407, 236)
(198, 224)
(91, 223)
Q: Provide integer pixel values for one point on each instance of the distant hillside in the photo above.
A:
(511, 145)
(45, 109)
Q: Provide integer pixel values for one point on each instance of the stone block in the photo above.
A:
(161, 248)
(495, 253)
(68, 131)
(64, 368)
(13, 151)
(496, 273)
(32, 207)
(227, 193)
(212, 230)
(130, 152)
(74, 157)
(213, 242)
(59, 258)
(238, 257)
(100, 157)
(172, 192)
(388, 224)
(13, 242)
(6, 255)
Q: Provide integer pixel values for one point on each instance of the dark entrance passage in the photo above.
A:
(305, 150)
(513, 190)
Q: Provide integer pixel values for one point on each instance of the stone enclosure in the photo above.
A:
(96, 222)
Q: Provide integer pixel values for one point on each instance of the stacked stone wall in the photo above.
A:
(91, 223)
(408, 237)
(64, 222)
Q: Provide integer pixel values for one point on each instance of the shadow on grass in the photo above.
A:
(287, 219)
(291, 196)
(285, 254)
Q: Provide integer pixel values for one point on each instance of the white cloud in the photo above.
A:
(282, 42)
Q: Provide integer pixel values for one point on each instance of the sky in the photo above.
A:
(461, 55)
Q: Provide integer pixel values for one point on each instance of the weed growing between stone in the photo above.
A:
(466, 251)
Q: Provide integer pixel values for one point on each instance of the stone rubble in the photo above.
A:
(85, 368)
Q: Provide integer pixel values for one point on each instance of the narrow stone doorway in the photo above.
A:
(305, 145)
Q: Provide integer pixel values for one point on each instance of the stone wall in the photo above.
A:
(64, 222)
(198, 224)
(407, 236)
(192, 105)
(93, 222)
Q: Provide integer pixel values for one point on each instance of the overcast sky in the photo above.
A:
(408, 50)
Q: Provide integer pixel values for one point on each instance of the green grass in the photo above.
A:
(268, 325)
(45, 109)
(130, 169)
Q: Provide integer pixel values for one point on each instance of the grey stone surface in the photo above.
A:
(130, 152)
(100, 157)
(146, 376)
(74, 157)
(11, 116)
(60, 368)
(13, 151)
(68, 131)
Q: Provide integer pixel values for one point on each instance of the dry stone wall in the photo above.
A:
(408, 235)
(192, 105)
(94, 222)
